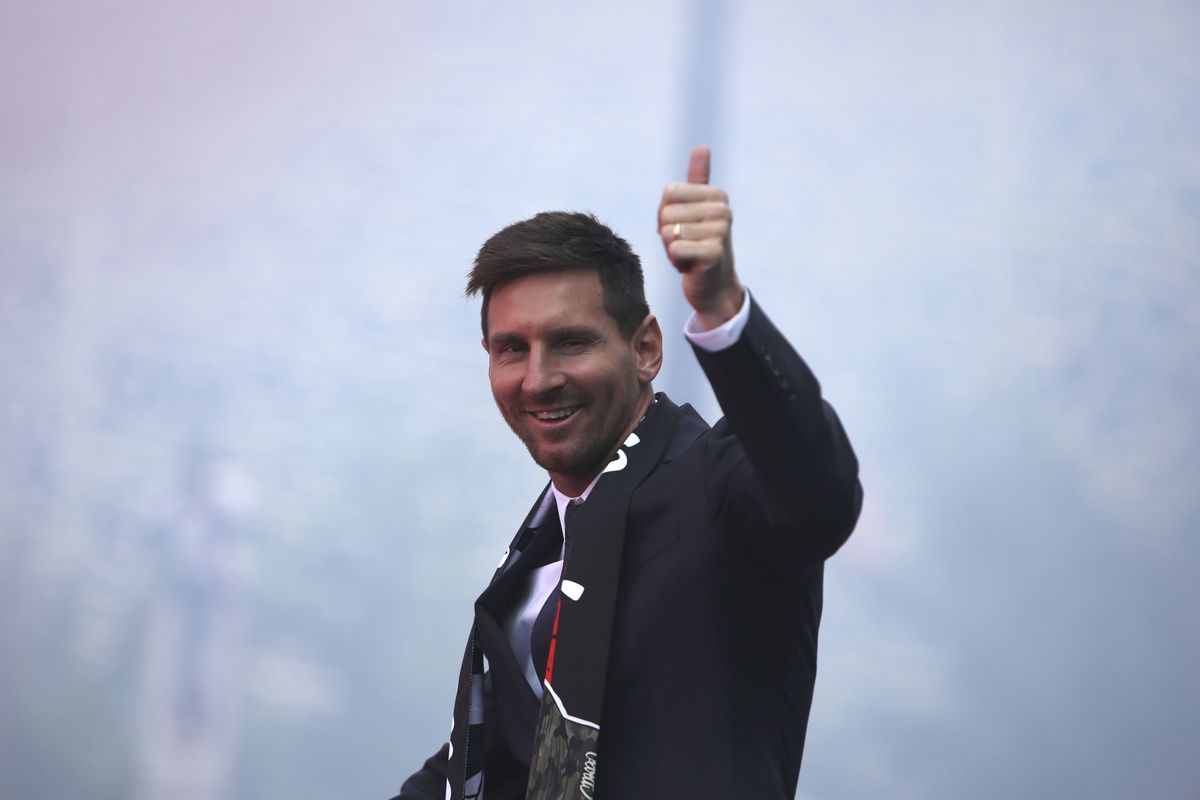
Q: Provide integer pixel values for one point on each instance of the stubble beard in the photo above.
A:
(585, 455)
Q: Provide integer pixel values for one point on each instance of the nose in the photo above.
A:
(543, 376)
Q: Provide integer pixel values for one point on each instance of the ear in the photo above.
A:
(648, 349)
(483, 342)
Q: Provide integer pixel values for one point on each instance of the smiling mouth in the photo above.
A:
(554, 415)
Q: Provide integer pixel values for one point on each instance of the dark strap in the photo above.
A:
(566, 745)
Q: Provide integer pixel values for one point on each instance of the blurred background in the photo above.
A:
(251, 475)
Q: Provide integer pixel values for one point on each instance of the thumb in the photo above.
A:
(699, 164)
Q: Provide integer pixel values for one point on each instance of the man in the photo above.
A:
(667, 647)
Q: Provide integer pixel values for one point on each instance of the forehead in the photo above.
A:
(548, 299)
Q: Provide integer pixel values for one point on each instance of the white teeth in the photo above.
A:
(556, 414)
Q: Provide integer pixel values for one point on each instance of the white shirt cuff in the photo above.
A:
(722, 336)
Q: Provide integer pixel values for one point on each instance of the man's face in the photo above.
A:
(565, 379)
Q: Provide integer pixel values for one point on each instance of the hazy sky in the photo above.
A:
(234, 238)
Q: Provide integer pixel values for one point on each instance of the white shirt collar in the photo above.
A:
(561, 500)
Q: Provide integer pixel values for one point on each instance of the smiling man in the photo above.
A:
(569, 382)
(665, 646)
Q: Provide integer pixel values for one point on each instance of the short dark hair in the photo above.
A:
(557, 241)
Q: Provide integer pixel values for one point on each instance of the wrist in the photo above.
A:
(726, 306)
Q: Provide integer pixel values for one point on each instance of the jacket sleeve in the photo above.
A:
(779, 467)
(429, 782)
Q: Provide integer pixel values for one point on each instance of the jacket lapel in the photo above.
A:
(517, 706)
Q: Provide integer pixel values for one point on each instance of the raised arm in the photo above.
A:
(797, 484)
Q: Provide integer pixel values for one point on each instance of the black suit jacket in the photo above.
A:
(714, 647)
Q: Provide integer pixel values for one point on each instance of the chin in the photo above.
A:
(565, 463)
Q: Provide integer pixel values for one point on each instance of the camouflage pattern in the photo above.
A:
(564, 760)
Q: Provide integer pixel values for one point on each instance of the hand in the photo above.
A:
(694, 220)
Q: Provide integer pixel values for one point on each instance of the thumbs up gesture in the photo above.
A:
(694, 220)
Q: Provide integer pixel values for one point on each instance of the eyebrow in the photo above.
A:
(566, 332)
(576, 332)
(503, 338)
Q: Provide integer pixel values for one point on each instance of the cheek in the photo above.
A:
(507, 389)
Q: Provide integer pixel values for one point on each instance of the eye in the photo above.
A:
(510, 349)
